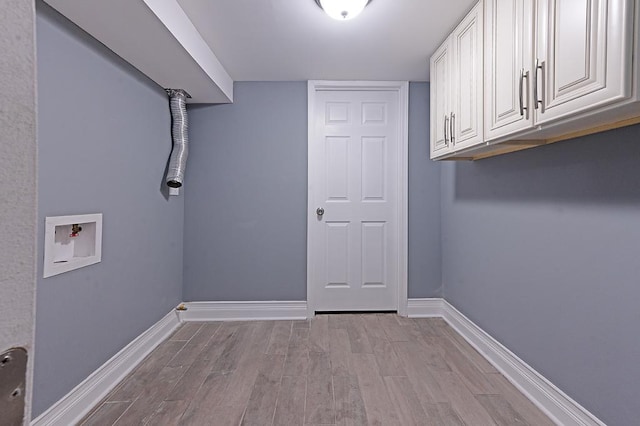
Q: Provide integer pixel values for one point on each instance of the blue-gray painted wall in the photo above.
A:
(425, 254)
(104, 138)
(541, 249)
(246, 197)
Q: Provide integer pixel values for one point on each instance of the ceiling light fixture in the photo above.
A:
(343, 10)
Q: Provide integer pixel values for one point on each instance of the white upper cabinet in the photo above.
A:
(548, 59)
(550, 70)
(509, 67)
(456, 88)
(440, 100)
(583, 55)
(467, 86)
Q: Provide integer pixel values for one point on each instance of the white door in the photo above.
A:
(354, 230)
(584, 55)
(508, 67)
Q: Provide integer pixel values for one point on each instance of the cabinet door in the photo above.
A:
(508, 66)
(584, 52)
(440, 95)
(467, 117)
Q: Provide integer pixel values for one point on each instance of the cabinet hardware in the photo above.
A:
(538, 102)
(452, 130)
(524, 75)
(520, 92)
(446, 124)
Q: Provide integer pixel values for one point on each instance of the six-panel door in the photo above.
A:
(354, 242)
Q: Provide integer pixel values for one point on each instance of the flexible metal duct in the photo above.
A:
(179, 133)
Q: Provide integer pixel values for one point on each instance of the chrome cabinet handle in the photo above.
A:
(320, 211)
(521, 89)
(452, 130)
(523, 75)
(446, 124)
(535, 86)
(538, 103)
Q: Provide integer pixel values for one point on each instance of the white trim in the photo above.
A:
(84, 397)
(311, 114)
(425, 308)
(556, 404)
(402, 88)
(244, 311)
(403, 201)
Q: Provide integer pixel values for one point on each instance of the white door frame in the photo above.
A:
(402, 88)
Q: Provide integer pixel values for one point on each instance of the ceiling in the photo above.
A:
(285, 40)
(202, 46)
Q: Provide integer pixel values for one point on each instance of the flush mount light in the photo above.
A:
(343, 10)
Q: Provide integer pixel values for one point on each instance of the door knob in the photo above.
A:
(319, 211)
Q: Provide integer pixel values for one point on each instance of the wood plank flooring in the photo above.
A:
(367, 369)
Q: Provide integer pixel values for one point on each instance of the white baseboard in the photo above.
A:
(556, 404)
(425, 308)
(76, 404)
(243, 311)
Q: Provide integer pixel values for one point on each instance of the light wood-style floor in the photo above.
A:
(369, 369)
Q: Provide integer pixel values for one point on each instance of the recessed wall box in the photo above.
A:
(71, 242)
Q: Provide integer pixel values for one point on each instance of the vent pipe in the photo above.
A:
(179, 134)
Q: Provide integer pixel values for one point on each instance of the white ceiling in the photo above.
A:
(283, 40)
(202, 46)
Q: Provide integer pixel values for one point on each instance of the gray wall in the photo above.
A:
(104, 139)
(246, 197)
(425, 259)
(541, 249)
(18, 203)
